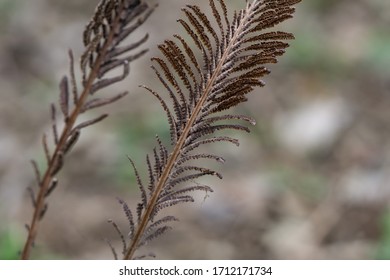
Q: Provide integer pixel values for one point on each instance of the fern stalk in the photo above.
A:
(223, 62)
(70, 132)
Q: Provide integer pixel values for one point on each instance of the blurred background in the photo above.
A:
(311, 181)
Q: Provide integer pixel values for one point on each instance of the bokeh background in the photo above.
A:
(311, 181)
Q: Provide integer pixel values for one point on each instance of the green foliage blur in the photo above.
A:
(383, 252)
(10, 244)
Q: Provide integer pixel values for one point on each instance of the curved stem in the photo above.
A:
(180, 143)
(40, 201)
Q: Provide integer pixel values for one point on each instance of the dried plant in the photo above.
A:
(112, 23)
(221, 59)
(234, 53)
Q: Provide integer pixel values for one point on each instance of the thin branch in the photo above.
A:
(61, 141)
(179, 145)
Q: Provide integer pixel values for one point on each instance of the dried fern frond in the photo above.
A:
(112, 23)
(234, 54)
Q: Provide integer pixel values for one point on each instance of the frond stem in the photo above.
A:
(47, 178)
(180, 143)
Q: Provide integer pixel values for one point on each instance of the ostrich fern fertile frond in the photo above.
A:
(234, 52)
(113, 21)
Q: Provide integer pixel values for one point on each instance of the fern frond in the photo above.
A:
(113, 21)
(234, 53)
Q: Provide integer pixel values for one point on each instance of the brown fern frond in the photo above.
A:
(234, 54)
(112, 23)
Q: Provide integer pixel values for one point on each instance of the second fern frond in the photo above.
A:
(234, 54)
(113, 21)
